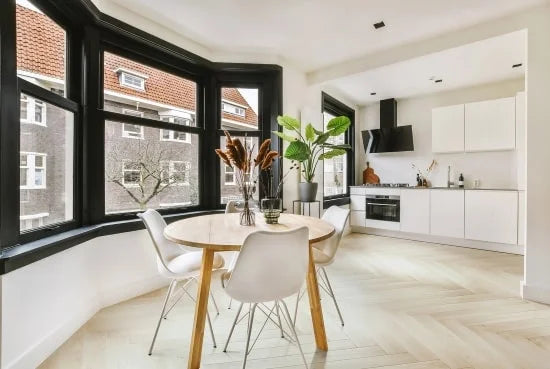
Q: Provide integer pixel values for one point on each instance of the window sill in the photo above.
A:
(19, 256)
(338, 201)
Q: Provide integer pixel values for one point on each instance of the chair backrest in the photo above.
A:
(231, 207)
(270, 266)
(338, 217)
(166, 249)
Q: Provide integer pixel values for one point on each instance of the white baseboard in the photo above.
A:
(47, 345)
(535, 293)
(460, 242)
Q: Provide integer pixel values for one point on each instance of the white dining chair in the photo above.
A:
(230, 208)
(178, 263)
(271, 266)
(324, 253)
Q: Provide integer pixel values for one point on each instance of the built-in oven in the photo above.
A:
(382, 207)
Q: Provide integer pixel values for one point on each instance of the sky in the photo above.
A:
(251, 97)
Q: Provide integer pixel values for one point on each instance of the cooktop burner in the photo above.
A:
(386, 185)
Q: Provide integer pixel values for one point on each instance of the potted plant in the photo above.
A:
(311, 147)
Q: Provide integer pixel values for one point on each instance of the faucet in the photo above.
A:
(449, 183)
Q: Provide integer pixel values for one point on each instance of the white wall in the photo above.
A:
(44, 303)
(494, 169)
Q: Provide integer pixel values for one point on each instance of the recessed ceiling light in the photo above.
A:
(379, 25)
(438, 81)
(517, 65)
(373, 93)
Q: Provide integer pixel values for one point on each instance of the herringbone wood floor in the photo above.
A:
(406, 304)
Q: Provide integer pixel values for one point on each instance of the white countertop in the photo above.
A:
(439, 188)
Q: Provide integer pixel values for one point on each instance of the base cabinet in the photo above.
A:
(415, 211)
(447, 213)
(492, 216)
(357, 218)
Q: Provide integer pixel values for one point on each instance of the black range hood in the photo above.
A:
(390, 137)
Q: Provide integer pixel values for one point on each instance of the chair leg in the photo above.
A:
(287, 317)
(279, 319)
(214, 302)
(211, 330)
(250, 324)
(233, 327)
(332, 295)
(184, 287)
(298, 298)
(168, 294)
(230, 302)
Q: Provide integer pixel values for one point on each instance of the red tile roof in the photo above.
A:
(40, 49)
(40, 44)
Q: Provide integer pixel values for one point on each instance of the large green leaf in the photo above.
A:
(332, 153)
(338, 125)
(317, 132)
(298, 151)
(285, 137)
(333, 146)
(310, 132)
(322, 138)
(288, 122)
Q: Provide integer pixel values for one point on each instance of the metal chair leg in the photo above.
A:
(250, 324)
(279, 319)
(287, 317)
(233, 327)
(207, 314)
(332, 295)
(214, 302)
(168, 294)
(230, 302)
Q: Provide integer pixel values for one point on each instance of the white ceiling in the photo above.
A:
(314, 34)
(478, 63)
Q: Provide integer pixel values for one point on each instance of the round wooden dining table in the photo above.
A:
(222, 232)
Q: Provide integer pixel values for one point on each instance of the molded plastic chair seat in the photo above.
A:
(188, 264)
(320, 258)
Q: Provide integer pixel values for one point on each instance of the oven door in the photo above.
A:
(384, 208)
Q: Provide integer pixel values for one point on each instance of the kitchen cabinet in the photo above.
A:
(492, 216)
(357, 218)
(521, 218)
(448, 129)
(415, 211)
(447, 213)
(521, 143)
(357, 202)
(490, 125)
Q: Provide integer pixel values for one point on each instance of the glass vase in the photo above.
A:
(271, 207)
(247, 216)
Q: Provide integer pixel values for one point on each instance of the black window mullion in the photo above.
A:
(148, 122)
(9, 128)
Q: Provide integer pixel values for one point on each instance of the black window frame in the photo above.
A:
(88, 34)
(335, 107)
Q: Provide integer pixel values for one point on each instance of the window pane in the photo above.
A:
(149, 173)
(239, 109)
(40, 48)
(335, 170)
(137, 89)
(46, 169)
(229, 179)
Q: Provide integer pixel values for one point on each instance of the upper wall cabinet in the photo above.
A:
(490, 125)
(448, 129)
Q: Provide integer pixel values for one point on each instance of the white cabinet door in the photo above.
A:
(357, 218)
(447, 213)
(448, 129)
(415, 211)
(492, 216)
(490, 125)
(521, 139)
(357, 202)
(521, 218)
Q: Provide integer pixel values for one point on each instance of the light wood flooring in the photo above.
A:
(406, 304)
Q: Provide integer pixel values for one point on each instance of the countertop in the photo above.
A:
(441, 188)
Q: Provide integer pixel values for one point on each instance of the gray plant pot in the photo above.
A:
(307, 191)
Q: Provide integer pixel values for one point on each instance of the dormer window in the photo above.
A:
(233, 109)
(131, 79)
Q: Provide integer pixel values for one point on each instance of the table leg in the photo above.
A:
(201, 306)
(315, 305)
